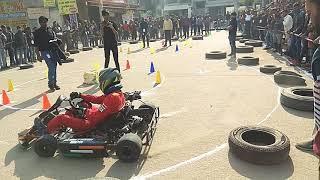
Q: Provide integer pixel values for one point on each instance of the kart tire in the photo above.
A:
(87, 48)
(289, 78)
(74, 51)
(68, 60)
(153, 40)
(243, 40)
(270, 69)
(46, 146)
(216, 55)
(299, 98)
(239, 35)
(254, 43)
(129, 147)
(244, 49)
(259, 145)
(133, 42)
(248, 60)
(100, 46)
(239, 38)
(197, 38)
(148, 117)
(26, 66)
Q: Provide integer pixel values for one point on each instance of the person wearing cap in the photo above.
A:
(313, 144)
(109, 31)
(42, 36)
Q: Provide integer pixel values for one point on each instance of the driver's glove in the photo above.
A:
(80, 113)
(75, 95)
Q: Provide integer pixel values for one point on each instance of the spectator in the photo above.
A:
(3, 58)
(144, 30)
(9, 44)
(167, 27)
(30, 45)
(233, 33)
(20, 42)
(247, 27)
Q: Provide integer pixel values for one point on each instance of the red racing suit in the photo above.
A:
(108, 105)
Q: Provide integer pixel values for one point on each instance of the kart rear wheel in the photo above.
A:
(129, 148)
(151, 109)
(46, 146)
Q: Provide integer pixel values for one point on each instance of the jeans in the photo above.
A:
(269, 39)
(11, 55)
(144, 38)
(21, 55)
(51, 61)
(31, 54)
(115, 56)
(3, 58)
(232, 41)
(167, 36)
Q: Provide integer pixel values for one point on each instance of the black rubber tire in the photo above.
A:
(119, 43)
(243, 40)
(254, 43)
(148, 117)
(289, 78)
(216, 55)
(87, 48)
(240, 35)
(197, 38)
(153, 40)
(175, 38)
(133, 42)
(248, 60)
(299, 98)
(239, 38)
(26, 66)
(74, 51)
(46, 146)
(100, 46)
(244, 49)
(270, 69)
(275, 148)
(68, 60)
(129, 148)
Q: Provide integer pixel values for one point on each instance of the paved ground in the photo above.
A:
(201, 102)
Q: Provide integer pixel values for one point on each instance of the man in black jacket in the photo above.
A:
(9, 44)
(144, 30)
(233, 33)
(42, 38)
(109, 31)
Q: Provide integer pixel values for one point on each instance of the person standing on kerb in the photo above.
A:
(109, 31)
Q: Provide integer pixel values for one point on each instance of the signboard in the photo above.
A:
(12, 13)
(67, 7)
(49, 3)
(35, 13)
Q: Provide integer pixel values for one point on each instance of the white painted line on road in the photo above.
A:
(166, 115)
(172, 168)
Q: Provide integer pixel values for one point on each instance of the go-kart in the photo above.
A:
(125, 133)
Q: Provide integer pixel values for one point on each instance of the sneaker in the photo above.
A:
(305, 146)
(52, 88)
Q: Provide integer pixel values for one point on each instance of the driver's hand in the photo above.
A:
(75, 95)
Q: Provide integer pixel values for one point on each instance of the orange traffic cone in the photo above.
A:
(5, 98)
(127, 65)
(45, 102)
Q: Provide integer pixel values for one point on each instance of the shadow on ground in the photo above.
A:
(252, 171)
(162, 49)
(138, 50)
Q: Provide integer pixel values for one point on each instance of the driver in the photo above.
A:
(111, 102)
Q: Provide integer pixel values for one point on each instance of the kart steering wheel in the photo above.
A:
(77, 103)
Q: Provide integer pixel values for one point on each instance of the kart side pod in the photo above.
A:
(86, 147)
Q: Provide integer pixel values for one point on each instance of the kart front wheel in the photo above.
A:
(129, 148)
(46, 146)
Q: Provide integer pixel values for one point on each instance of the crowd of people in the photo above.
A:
(285, 27)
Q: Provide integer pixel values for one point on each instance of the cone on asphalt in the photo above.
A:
(129, 50)
(10, 86)
(45, 102)
(96, 67)
(158, 78)
(152, 50)
(121, 49)
(128, 65)
(177, 48)
(151, 68)
(5, 98)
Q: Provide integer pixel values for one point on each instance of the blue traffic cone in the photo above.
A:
(177, 48)
(151, 68)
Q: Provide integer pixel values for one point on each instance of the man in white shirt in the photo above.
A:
(287, 23)
(247, 27)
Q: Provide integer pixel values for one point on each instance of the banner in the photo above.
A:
(13, 13)
(49, 3)
(67, 7)
(35, 13)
